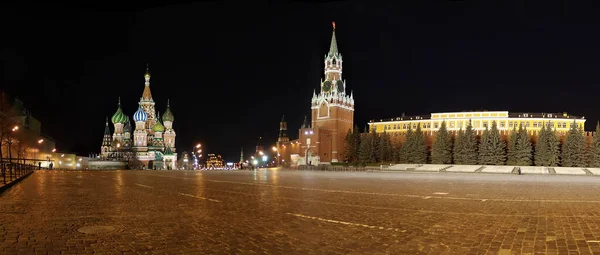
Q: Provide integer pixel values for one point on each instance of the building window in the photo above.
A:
(526, 115)
(460, 124)
(451, 124)
(435, 125)
(502, 124)
(510, 124)
(550, 115)
(564, 125)
(535, 124)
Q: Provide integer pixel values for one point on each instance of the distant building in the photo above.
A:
(27, 143)
(146, 139)
(321, 141)
(480, 120)
(214, 161)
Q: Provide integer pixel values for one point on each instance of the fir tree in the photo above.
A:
(523, 148)
(385, 151)
(496, 147)
(357, 138)
(349, 148)
(512, 147)
(553, 147)
(483, 153)
(395, 152)
(542, 148)
(365, 152)
(376, 145)
(406, 148)
(419, 156)
(573, 152)
(595, 148)
(441, 151)
(458, 147)
(469, 151)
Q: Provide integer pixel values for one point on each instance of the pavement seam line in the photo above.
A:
(396, 195)
(203, 198)
(344, 222)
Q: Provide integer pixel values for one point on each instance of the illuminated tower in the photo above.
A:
(139, 135)
(283, 137)
(147, 103)
(106, 141)
(118, 120)
(169, 134)
(333, 109)
(242, 156)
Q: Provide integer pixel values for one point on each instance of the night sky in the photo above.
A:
(232, 70)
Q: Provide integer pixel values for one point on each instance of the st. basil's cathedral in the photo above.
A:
(149, 139)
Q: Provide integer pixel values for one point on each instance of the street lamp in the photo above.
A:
(35, 153)
(277, 154)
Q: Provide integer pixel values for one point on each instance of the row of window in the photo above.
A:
(511, 124)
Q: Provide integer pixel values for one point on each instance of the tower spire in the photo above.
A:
(147, 95)
(333, 49)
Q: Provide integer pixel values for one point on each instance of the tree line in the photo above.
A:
(467, 148)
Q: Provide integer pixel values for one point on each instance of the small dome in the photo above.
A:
(119, 116)
(158, 127)
(168, 116)
(140, 115)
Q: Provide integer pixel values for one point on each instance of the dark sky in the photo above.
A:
(232, 70)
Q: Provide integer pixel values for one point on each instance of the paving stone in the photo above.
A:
(298, 212)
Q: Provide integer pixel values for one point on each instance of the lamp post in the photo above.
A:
(36, 151)
(276, 154)
(196, 147)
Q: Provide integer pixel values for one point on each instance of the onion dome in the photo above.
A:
(140, 115)
(119, 116)
(158, 127)
(127, 128)
(168, 116)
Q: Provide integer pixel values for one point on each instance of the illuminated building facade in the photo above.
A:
(214, 161)
(149, 138)
(480, 120)
(332, 114)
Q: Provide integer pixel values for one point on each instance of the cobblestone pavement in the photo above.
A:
(299, 212)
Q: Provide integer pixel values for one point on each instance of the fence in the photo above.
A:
(13, 171)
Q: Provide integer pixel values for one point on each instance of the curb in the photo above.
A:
(9, 185)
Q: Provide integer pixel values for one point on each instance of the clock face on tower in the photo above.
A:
(340, 86)
(326, 86)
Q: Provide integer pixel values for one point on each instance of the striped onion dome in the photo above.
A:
(140, 115)
(168, 116)
(119, 116)
(158, 127)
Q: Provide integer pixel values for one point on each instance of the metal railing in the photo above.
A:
(12, 171)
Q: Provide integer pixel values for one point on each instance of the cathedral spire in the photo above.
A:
(147, 95)
(333, 49)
